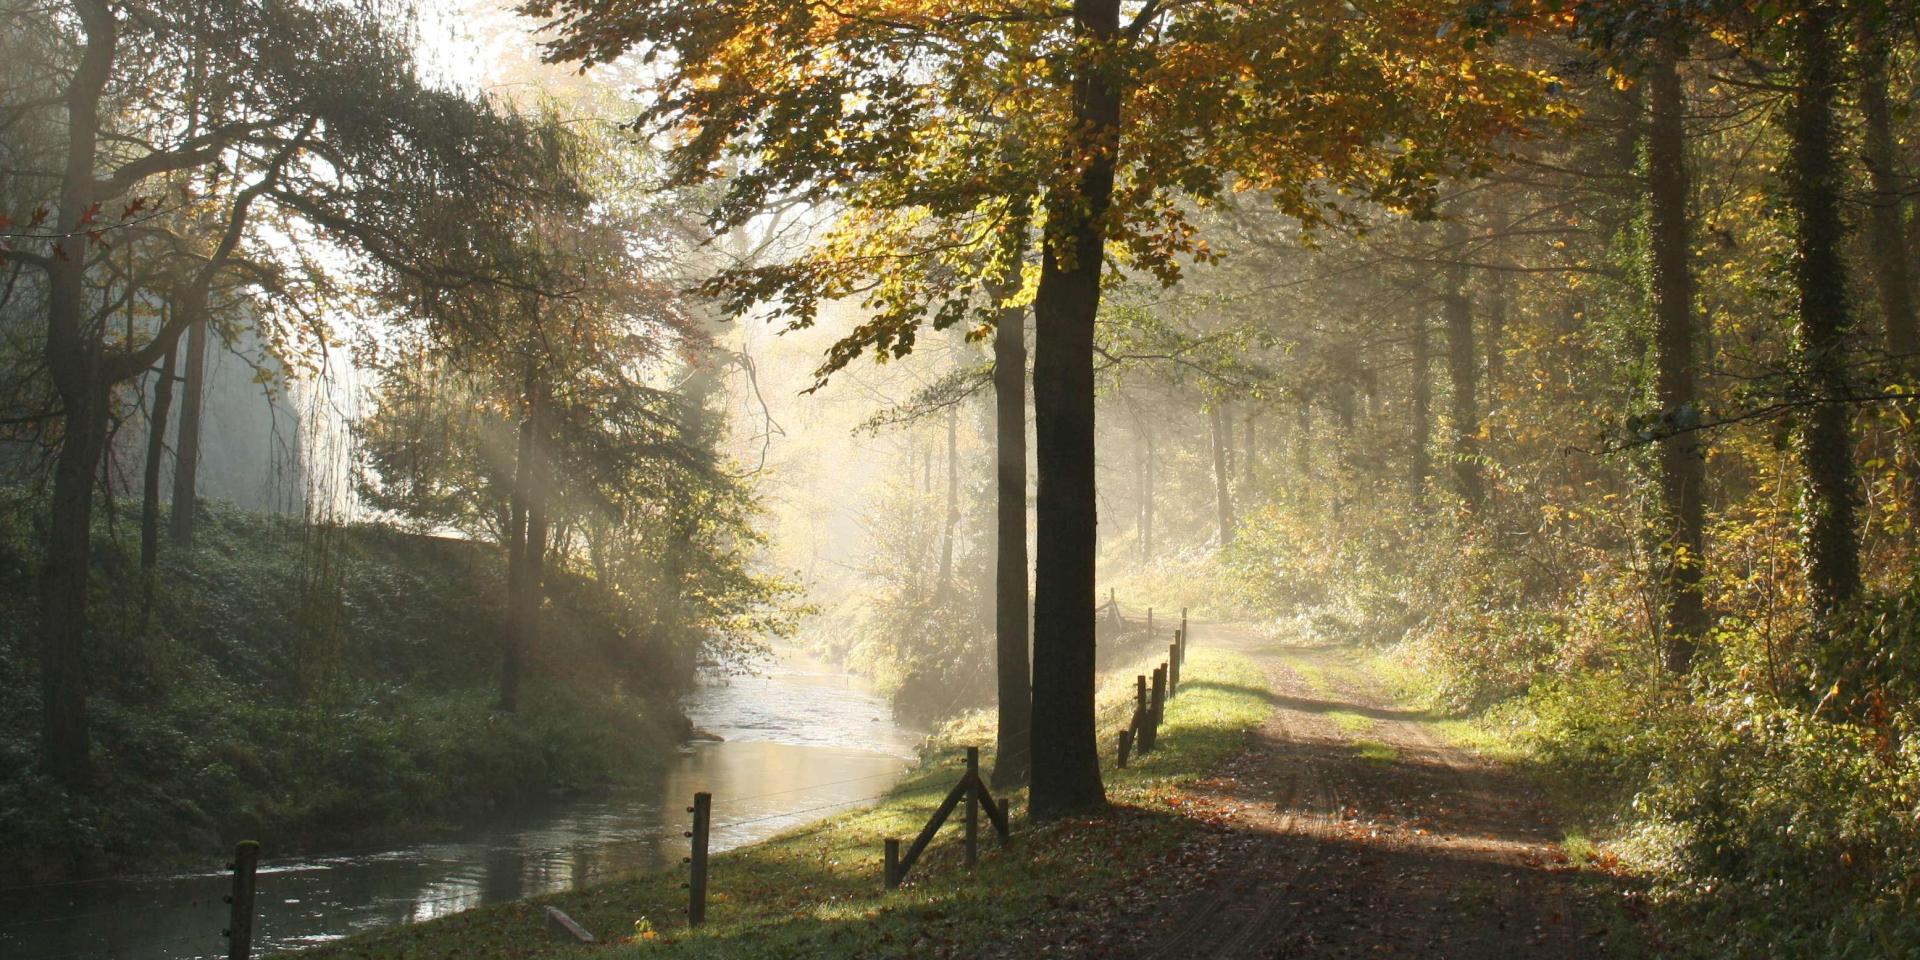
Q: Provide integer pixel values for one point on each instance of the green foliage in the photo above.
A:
(313, 686)
(1785, 835)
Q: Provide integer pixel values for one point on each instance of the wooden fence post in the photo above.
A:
(702, 811)
(892, 867)
(1126, 745)
(1159, 704)
(1180, 641)
(1142, 712)
(246, 862)
(1173, 669)
(973, 806)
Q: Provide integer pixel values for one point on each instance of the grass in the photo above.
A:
(817, 891)
(1375, 751)
(312, 688)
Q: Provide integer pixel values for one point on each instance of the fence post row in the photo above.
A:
(239, 932)
(971, 789)
(702, 811)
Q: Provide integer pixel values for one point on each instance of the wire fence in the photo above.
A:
(472, 897)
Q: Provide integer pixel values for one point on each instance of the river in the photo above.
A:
(802, 741)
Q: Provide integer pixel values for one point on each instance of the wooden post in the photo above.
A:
(1126, 746)
(702, 811)
(1141, 711)
(1159, 705)
(892, 867)
(246, 861)
(973, 806)
(567, 926)
(1173, 669)
(1180, 640)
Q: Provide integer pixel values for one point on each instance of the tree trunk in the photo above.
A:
(1683, 466)
(150, 475)
(519, 534)
(1814, 193)
(1303, 444)
(1223, 495)
(1066, 760)
(186, 446)
(1011, 611)
(1149, 464)
(1247, 471)
(1463, 374)
(1496, 348)
(945, 583)
(65, 579)
(74, 365)
(1886, 230)
(1420, 463)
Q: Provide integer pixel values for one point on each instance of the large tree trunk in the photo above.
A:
(1463, 373)
(150, 474)
(64, 584)
(1814, 184)
(74, 364)
(1886, 230)
(1011, 611)
(1420, 410)
(1066, 760)
(1223, 494)
(186, 446)
(1683, 467)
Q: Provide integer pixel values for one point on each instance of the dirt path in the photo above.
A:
(1349, 830)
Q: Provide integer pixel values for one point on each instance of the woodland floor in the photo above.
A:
(1349, 829)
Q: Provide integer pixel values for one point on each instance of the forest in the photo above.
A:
(440, 437)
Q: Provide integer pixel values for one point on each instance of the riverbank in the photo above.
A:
(313, 688)
(817, 891)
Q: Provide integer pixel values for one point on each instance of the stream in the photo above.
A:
(801, 741)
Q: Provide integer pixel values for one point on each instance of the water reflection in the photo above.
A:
(800, 744)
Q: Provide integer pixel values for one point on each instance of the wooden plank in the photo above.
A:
(972, 818)
(940, 816)
(996, 812)
(558, 919)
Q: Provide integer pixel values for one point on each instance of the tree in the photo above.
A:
(1014, 673)
(1814, 181)
(1116, 119)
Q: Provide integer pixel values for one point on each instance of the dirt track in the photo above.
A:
(1348, 830)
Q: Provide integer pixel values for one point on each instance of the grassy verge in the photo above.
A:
(311, 687)
(817, 892)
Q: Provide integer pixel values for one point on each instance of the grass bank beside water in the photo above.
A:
(817, 892)
(312, 688)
